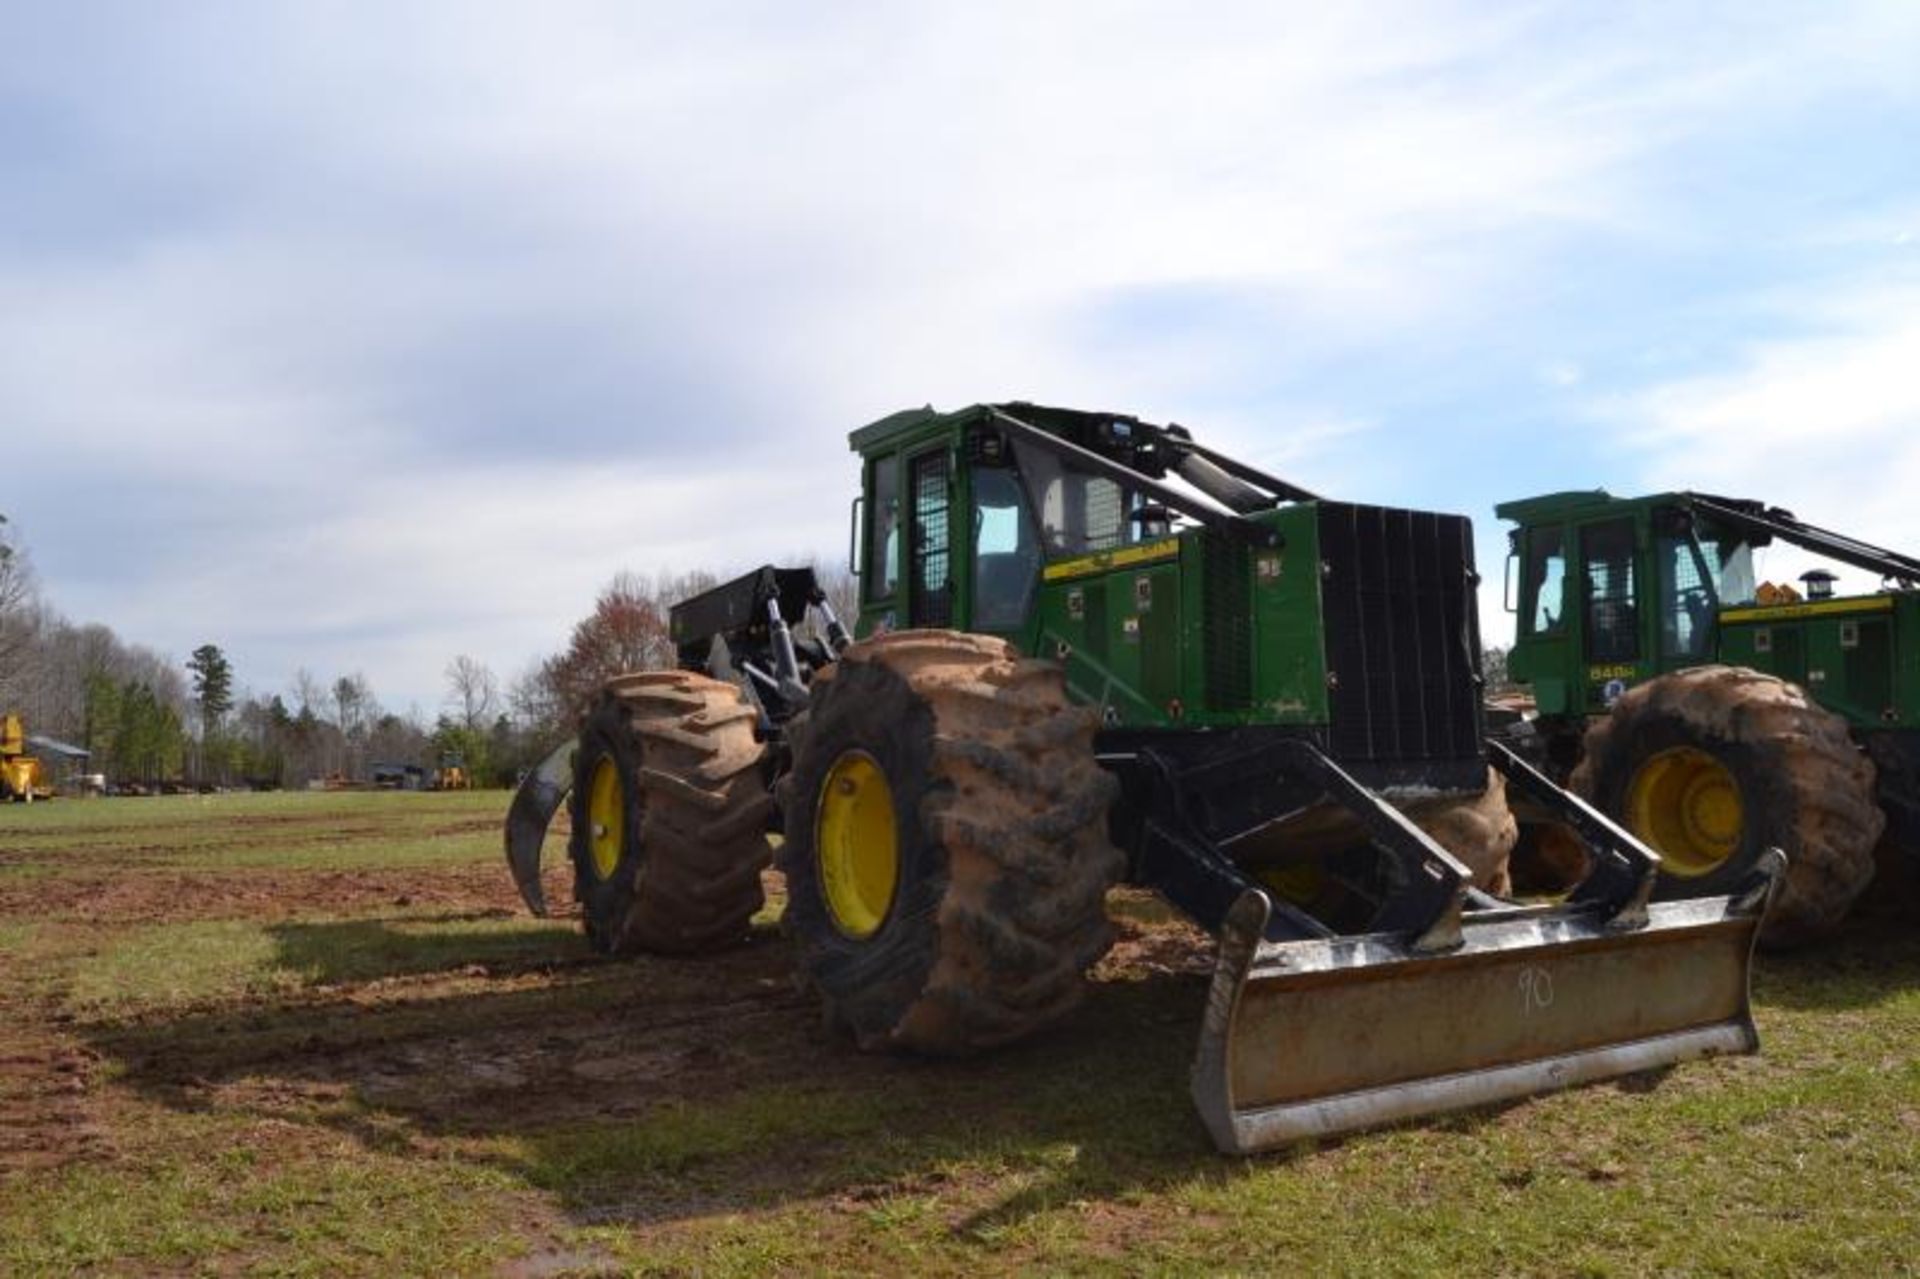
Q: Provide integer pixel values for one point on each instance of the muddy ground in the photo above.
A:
(325, 1037)
(525, 1042)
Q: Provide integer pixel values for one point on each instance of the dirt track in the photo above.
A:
(474, 1048)
(177, 896)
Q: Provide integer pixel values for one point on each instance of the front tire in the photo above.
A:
(669, 815)
(1713, 765)
(946, 853)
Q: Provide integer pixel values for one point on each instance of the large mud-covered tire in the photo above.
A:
(683, 756)
(1548, 859)
(1480, 831)
(1802, 784)
(1000, 842)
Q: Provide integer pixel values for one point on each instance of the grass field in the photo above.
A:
(315, 1034)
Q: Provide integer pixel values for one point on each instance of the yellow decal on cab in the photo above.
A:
(1106, 561)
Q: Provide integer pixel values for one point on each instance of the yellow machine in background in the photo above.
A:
(23, 778)
(452, 774)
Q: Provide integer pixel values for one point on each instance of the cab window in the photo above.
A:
(1686, 600)
(1006, 551)
(1546, 581)
(1613, 623)
(1079, 512)
(883, 546)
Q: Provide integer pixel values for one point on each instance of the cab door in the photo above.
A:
(1545, 652)
(910, 567)
(1613, 616)
(1005, 550)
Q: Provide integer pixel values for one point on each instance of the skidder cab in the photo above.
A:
(1093, 651)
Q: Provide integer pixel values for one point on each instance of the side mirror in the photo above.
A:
(1510, 590)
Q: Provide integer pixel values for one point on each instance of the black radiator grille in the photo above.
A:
(1402, 634)
(1228, 653)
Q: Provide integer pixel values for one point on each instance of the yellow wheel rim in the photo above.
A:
(856, 844)
(1300, 883)
(606, 817)
(1686, 804)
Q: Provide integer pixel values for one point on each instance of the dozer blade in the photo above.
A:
(538, 798)
(1316, 1038)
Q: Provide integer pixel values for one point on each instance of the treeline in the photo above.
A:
(146, 720)
(84, 685)
(317, 730)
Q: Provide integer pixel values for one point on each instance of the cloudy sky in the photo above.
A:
(356, 336)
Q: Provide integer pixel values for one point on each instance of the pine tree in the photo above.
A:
(213, 686)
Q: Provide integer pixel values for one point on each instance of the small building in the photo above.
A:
(66, 764)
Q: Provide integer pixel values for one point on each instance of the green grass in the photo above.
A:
(78, 821)
(448, 1087)
(177, 966)
(322, 831)
(211, 1189)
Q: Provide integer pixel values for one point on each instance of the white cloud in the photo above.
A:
(1825, 422)
(497, 561)
(1562, 373)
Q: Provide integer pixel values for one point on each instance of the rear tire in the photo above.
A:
(989, 898)
(1799, 779)
(670, 860)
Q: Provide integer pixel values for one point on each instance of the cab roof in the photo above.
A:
(876, 436)
(1576, 504)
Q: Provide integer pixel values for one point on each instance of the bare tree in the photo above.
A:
(396, 739)
(627, 631)
(353, 704)
(309, 694)
(356, 710)
(19, 617)
(472, 688)
(670, 588)
(534, 703)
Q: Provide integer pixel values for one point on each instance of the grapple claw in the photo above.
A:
(538, 798)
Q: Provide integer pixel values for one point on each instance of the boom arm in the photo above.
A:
(1121, 473)
(1282, 490)
(1241, 488)
(1751, 517)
